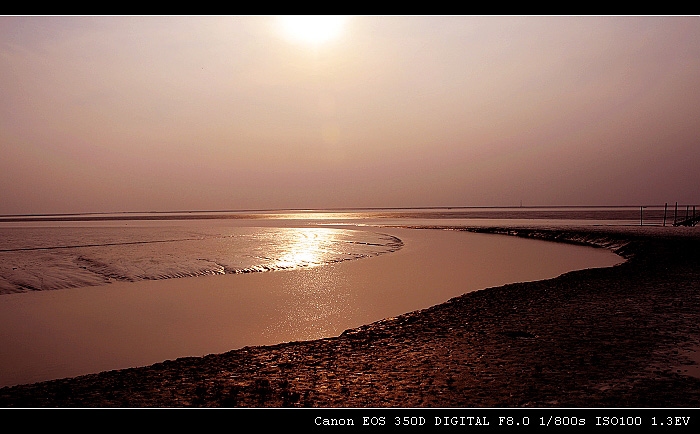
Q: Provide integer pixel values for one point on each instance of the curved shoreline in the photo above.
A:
(610, 337)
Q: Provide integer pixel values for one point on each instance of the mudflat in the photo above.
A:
(623, 336)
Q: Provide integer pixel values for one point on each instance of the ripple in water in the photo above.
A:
(46, 258)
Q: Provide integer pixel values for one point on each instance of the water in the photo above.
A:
(58, 257)
(650, 215)
(90, 293)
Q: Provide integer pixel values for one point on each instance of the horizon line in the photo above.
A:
(334, 209)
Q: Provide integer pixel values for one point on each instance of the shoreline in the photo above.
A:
(621, 336)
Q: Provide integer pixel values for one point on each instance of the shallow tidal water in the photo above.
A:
(336, 279)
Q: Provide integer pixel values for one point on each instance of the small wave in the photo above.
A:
(77, 257)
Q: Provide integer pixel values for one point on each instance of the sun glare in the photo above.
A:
(312, 29)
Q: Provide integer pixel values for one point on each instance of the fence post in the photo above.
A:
(665, 207)
(675, 214)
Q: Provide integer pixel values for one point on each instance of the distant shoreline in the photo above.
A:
(270, 213)
(648, 215)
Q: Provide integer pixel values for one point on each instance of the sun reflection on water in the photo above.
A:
(315, 301)
(305, 247)
(314, 215)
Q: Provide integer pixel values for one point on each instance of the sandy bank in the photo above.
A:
(615, 337)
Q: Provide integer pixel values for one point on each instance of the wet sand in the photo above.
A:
(624, 336)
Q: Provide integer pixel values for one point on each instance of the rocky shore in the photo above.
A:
(625, 336)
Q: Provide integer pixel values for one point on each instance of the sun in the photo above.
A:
(312, 29)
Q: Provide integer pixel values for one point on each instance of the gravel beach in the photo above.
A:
(624, 336)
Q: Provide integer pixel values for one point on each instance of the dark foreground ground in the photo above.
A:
(615, 337)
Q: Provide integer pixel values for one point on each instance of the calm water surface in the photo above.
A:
(88, 296)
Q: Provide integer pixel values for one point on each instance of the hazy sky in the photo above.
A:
(170, 113)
